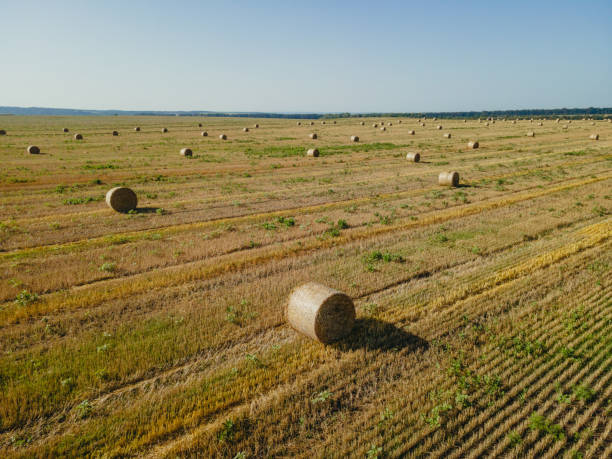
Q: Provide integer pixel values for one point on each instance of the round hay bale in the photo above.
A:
(594, 137)
(246, 129)
(399, 121)
(389, 123)
(78, 137)
(321, 313)
(439, 127)
(592, 123)
(164, 130)
(3, 132)
(448, 178)
(513, 122)
(299, 124)
(465, 121)
(65, 130)
(186, 152)
(199, 124)
(435, 119)
(557, 120)
(312, 123)
(313, 152)
(375, 125)
(222, 137)
(447, 135)
(115, 133)
(383, 128)
(313, 136)
(322, 122)
(473, 144)
(414, 157)
(334, 122)
(531, 134)
(256, 126)
(33, 150)
(540, 124)
(411, 132)
(204, 134)
(121, 199)
(362, 123)
(137, 129)
(486, 124)
(354, 138)
(422, 124)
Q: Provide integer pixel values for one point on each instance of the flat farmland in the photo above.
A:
(484, 311)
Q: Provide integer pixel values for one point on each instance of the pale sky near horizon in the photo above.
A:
(313, 56)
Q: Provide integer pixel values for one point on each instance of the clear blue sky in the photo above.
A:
(305, 56)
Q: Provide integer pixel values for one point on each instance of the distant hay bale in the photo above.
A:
(465, 121)
(375, 125)
(199, 124)
(322, 122)
(389, 123)
(222, 137)
(540, 124)
(3, 132)
(334, 122)
(513, 121)
(312, 123)
(592, 123)
(256, 126)
(299, 124)
(434, 118)
(312, 152)
(486, 124)
(362, 123)
(33, 150)
(115, 133)
(399, 121)
(439, 127)
(531, 134)
(411, 132)
(313, 136)
(354, 138)
(447, 135)
(557, 120)
(321, 313)
(448, 178)
(65, 130)
(246, 129)
(121, 199)
(414, 157)
(383, 128)
(78, 137)
(204, 134)
(164, 130)
(137, 129)
(186, 152)
(473, 144)
(422, 124)
(594, 137)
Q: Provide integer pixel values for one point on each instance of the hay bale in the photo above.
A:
(540, 124)
(334, 122)
(473, 144)
(204, 134)
(246, 129)
(557, 120)
(115, 133)
(354, 138)
(222, 137)
(399, 121)
(422, 124)
(362, 123)
(448, 178)
(78, 137)
(256, 126)
(414, 157)
(313, 152)
(164, 130)
(33, 150)
(411, 132)
(137, 129)
(322, 122)
(594, 137)
(121, 199)
(313, 136)
(447, 135)
(65, 130)
(389, 123)
(321, 313)
(531, 134)
(375, 125)
(486, 124)
(513, 122)
(299, 124)
(439, 127)
(312, 123)
(3, 132)
(592, 123)
(186, 152)
(383, 128)
(199, 124)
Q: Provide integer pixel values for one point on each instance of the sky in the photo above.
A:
(306, 56)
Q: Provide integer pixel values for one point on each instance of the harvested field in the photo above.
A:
(483, 311)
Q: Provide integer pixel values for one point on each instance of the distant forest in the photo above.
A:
(592, 112)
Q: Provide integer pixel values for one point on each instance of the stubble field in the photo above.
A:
(484, 312)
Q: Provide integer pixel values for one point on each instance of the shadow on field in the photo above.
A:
(146, 210)
(374, 334)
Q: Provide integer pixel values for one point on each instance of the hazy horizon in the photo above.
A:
(316, 58)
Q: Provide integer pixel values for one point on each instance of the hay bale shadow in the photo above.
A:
(146, 210)
(373, 334)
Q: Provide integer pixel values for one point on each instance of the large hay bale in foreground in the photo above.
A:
(594, 137)
(78, 137)
(222, 136)
(447, 135)
(448, 178)
(33, 150)
(411, 132)
(321, 313)
(65, 130)
(204, 134)
(313, 136)
(137, 129)
(354, 138)
(473, 144)
(121, 199)
(414, 157)
(186, 152)
(531, 134)
(164, 130)
(312, 152)
(115, 133)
